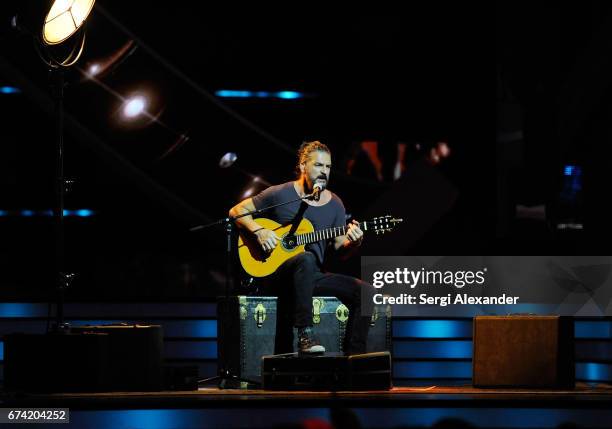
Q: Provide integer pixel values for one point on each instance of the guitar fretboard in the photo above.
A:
(324, 234)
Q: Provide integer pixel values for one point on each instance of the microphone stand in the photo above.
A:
(225, 377)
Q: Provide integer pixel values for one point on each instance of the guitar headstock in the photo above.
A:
(381, 224)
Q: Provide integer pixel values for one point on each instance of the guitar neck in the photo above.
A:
(325, 234)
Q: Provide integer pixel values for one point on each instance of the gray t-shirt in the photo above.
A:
(329, 215)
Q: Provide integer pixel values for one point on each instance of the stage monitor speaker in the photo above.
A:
(89, 359)
(48, 363)
(135, 355)
(523, 351)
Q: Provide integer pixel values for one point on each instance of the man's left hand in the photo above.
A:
(354, 233)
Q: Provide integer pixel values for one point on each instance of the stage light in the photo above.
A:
(57, 27)
(46, 213)
(139, 108)
(254, 184)
(229, 93)
(248, 192)
(443, 149)
(284, 95)
(100, 66)
(134, 106)
(289, 95)
(64, 19)
(228, 160)
(59, 40)
(93, 69)
(84, 212)
(9, 90)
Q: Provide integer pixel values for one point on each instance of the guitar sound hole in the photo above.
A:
(289, 242)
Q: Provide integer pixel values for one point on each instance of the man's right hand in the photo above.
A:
(267, 239)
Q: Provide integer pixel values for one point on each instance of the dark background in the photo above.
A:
(553, 110)
(422, 75)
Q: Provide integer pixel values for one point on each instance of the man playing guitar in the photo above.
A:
(301, 276)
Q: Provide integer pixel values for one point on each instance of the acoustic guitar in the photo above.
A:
(258, 263)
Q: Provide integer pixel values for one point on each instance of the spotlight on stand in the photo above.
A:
(57, 27)
(58, 30)
(64, 19)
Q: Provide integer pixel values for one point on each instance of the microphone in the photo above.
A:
(316, 191)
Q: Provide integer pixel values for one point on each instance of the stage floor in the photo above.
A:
(583, 396)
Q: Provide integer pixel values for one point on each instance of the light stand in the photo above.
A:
(225, 375)
(59, 44)
(64, 279)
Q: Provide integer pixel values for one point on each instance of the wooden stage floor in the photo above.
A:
(583, 396)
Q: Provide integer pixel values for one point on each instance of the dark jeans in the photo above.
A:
(300, 278)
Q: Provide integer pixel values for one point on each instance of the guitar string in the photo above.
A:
(311, 237)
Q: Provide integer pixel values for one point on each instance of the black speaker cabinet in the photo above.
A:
(523, 351)
(56, 363)
(135, 355)
(89, 359)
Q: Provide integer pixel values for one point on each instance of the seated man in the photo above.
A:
(304, 271)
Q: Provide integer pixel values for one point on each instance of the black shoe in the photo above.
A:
(307, 343)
